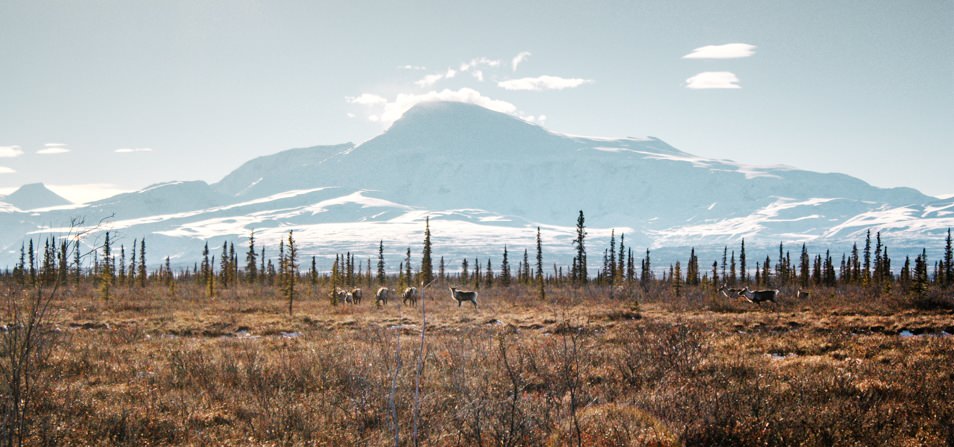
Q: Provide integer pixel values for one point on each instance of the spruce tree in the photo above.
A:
(407, 269)
(142, 263)
(580, 243)
(251, 263)
(291, 270)
(948, 261)
(866, 274)
(427, 267)
(132, 264)
(743, 268)
(539, 279)
(505, 269)
(488, 275)
(381, 277)
(106, 280)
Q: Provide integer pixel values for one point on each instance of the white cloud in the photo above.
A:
(6, 170)
(413, 67)
(478, 75)
(518, 59)
(390, 111)
(542, 83)
(87, 192)
(450, 73)
(366, 99)
(10, 151)
(479, 61)
(713, 79)
(53, 149)
(429, 80)
(350, 115)
(129, 150)
(727, 51)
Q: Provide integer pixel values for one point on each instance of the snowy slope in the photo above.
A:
(487, 179)
(33, 196)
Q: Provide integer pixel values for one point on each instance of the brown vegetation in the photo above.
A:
(149, 368)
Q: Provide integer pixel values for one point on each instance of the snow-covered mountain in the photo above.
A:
(487, 179)
(33, 196)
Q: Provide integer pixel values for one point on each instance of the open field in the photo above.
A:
(146, 368)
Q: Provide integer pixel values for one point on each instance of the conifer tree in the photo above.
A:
(539, 279)
(526, 268)
(224, 267)
(251, 263)
(262, 272)
(32, 256)
(132, 264)
(804, 266)
(620, 271)
(581, 276)
(743, 268)
(732, 272)
(464, 274)
(505, 269)
(381, 277)
(142, 263)
(106, 280)
(427, 267)
(64, 262)
(334, 281)
(77, 272)
(948, 261)
(676, 278)
(292, 271)
(477, 274)
(866, 274)
(488, 275)
(407, 268)
(122, 264)
(610, 266)
(210, 279)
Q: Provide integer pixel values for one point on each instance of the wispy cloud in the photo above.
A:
(713, 79)
(413, 67)
(518, 59)
(727, 51)
(392, 110)
(542, 83)
(53, 149)
(10, 151)
(366, 99)
(6, 170)
(479, 61)
(130, 150)
(472, 66)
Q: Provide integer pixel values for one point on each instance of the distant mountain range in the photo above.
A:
(488, 179)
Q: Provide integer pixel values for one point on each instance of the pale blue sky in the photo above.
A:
(860, 87)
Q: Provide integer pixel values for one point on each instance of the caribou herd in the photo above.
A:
(410, 296)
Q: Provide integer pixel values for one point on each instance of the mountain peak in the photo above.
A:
(33, 196)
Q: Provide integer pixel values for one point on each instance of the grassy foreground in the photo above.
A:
(146, 368)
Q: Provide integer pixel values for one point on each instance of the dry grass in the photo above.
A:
(150, 369)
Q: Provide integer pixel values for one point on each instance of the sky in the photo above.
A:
(98, 97)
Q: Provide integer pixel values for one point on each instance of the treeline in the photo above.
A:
(60, 263)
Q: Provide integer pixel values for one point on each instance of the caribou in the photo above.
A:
(729, 292)
(464, 295)
(759, 296)
(383, 295)
(343, 296)
(410, 294)
(803, 295)
(356, 295)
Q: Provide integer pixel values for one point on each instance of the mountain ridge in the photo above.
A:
(488, 178)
